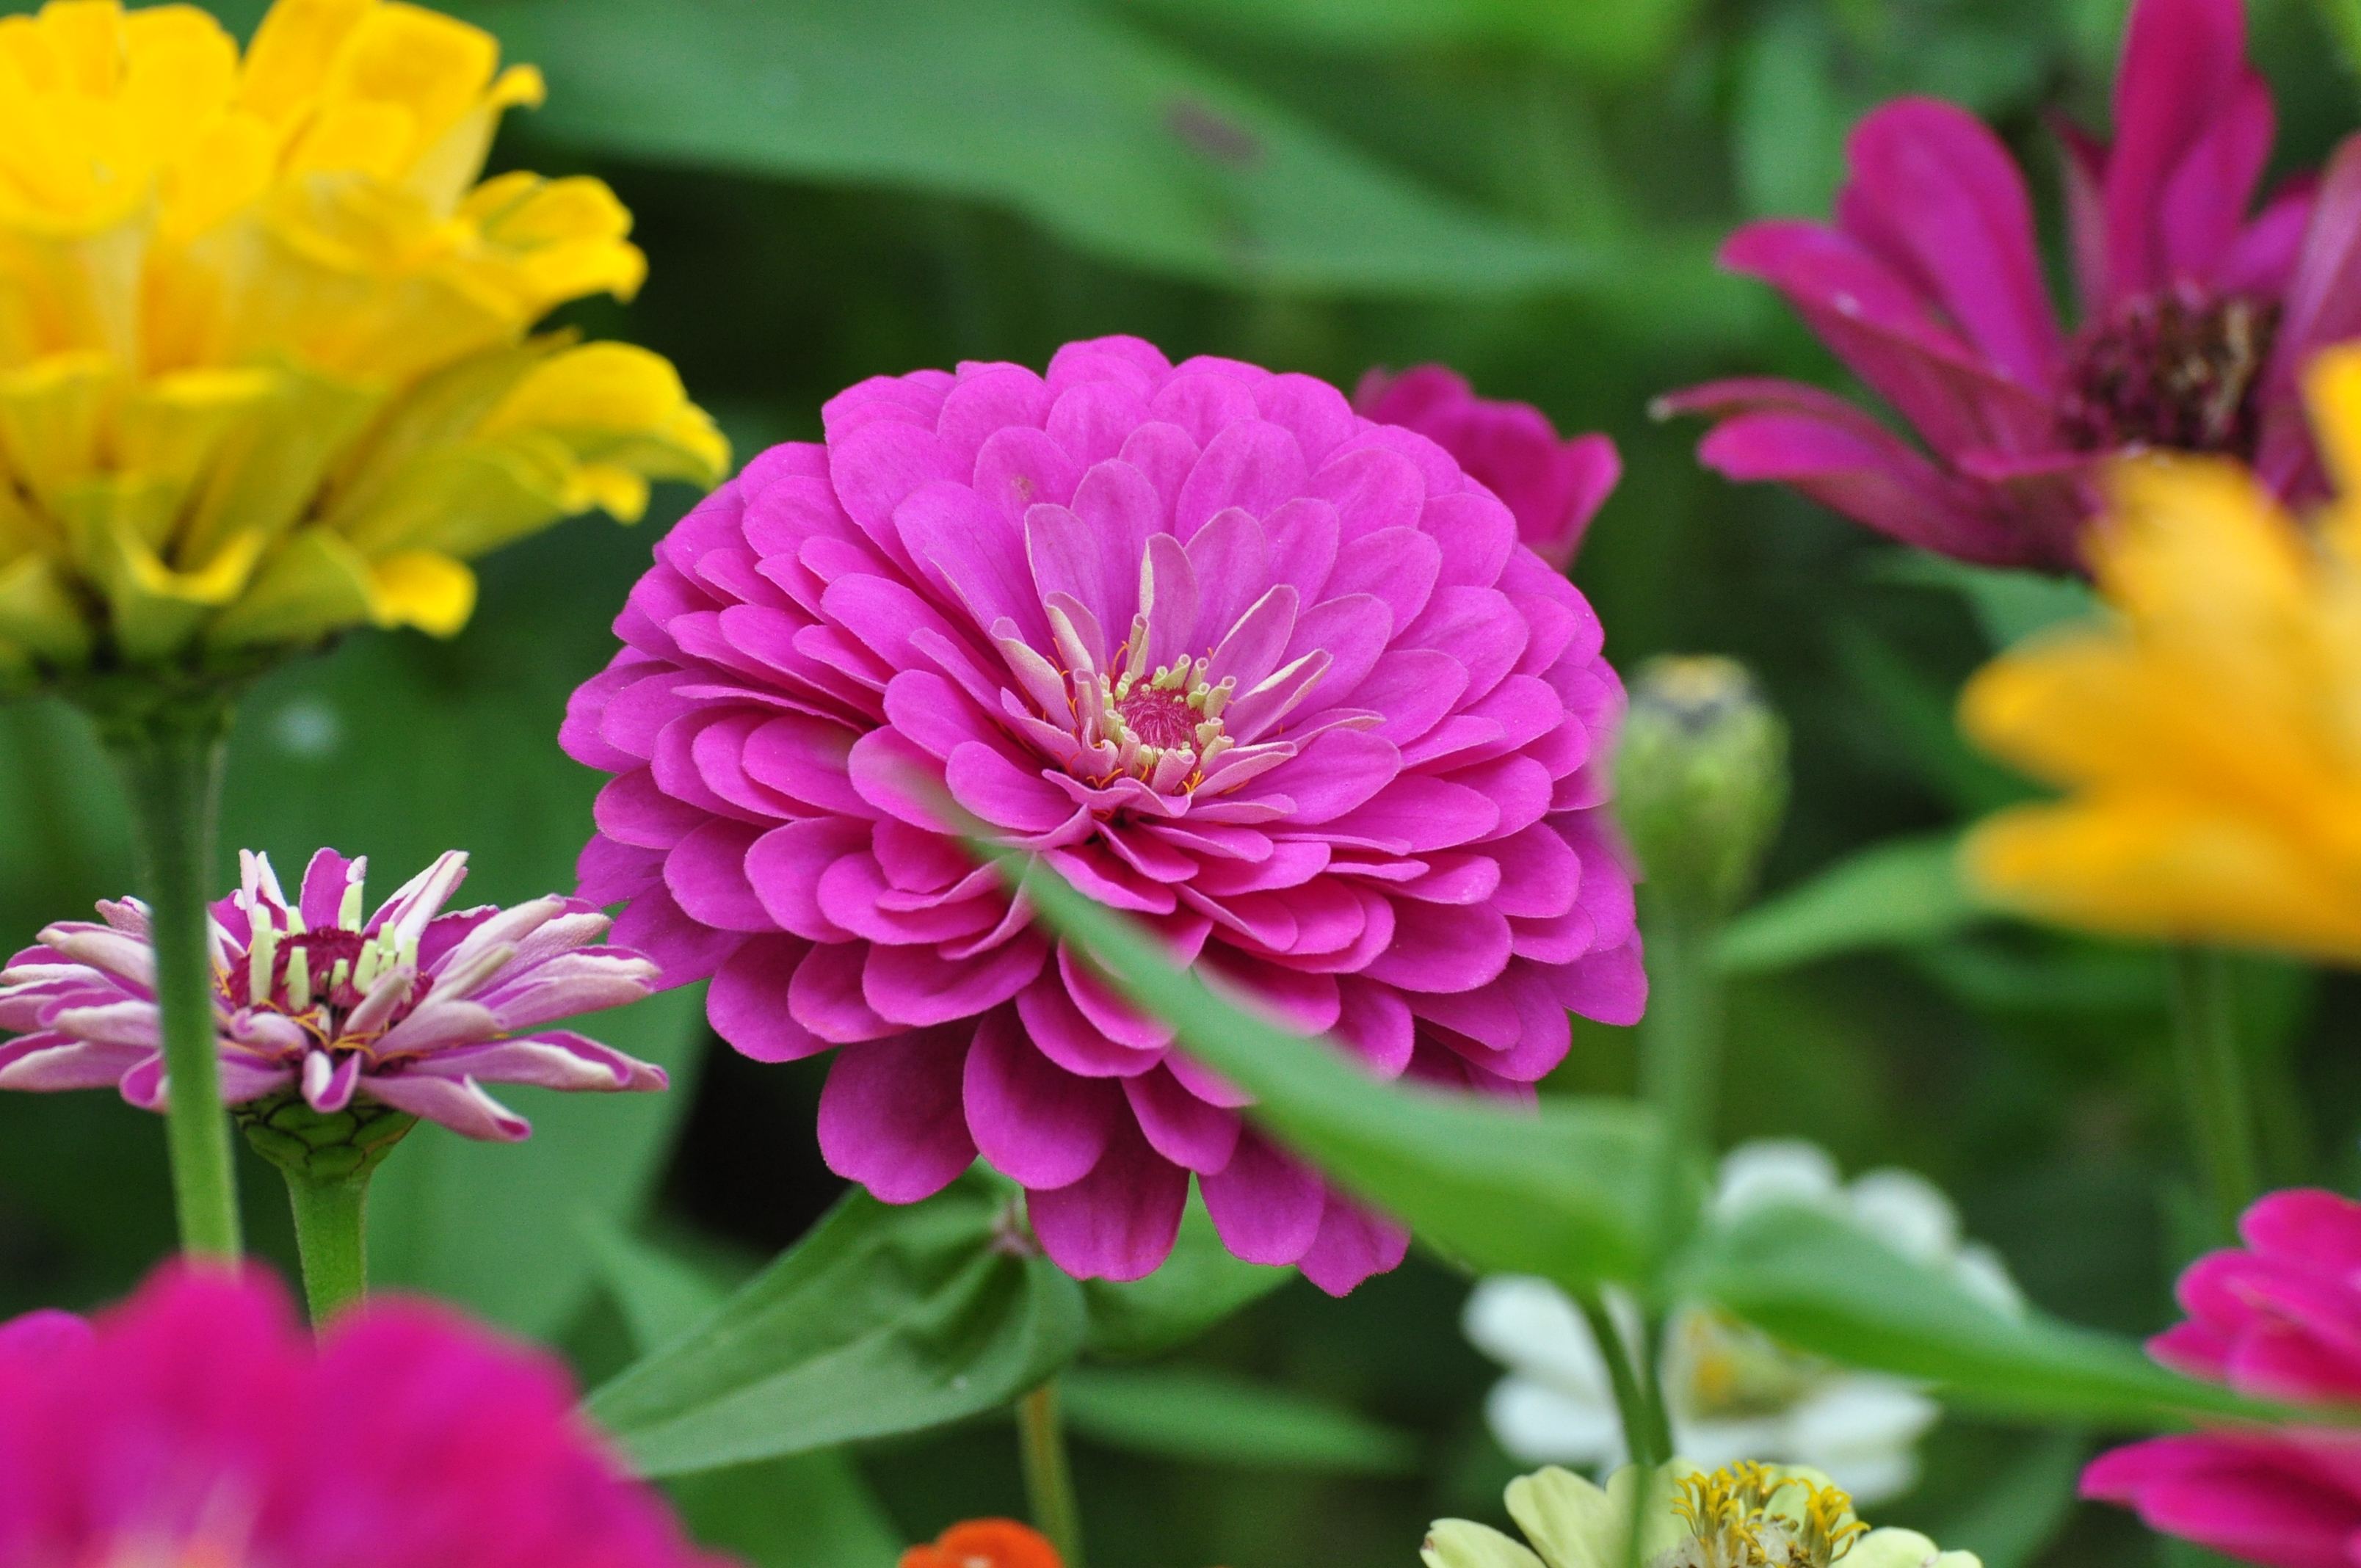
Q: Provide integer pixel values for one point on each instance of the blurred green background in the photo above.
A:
(1529, 191)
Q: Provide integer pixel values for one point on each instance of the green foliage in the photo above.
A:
(883, 1319)
(1206, 1417)
(1896, 893)
(1115, 141)
(1199, 1286)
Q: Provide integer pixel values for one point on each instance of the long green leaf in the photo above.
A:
(806, 1510)
(1893, 894)
(1211, 1418)
(881, 1320)
(1559, 1192)
(1119, 143)
(1823, 1284)
(1616, 34)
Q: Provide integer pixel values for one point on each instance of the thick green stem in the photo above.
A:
(2213, 1070)
(169, 756)
(1048, 1477)
(1680, 1069)
(331, 1233)
(1644, 1434)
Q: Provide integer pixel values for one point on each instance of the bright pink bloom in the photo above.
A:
(2198, 317)
(1553, 487)
(1277, 681)
(197, 1424)
(410, 1007)
(2279, 1319)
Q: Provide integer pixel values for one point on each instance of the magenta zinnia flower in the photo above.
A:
(410, 1007)
(2198, 316)
(1276, 681)
(1553, 487)
(196, 1424)
(2276, 1319)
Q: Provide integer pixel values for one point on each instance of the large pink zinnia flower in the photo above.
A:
(2198, 318)
(1275, 680)
(410, 1007)
(1553, 487)
(198, 1425)
(2279, 1319)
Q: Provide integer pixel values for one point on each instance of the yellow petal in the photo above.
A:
(616, 403)
(156, 612)
(291, 53)
(313, 586)
(420, 588)
(53, 418)
(270, 467)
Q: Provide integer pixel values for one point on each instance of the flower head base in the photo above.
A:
(321, 1004)
(1732, 1392)
(264, 364)
(187, 1428)
(1274, 679)
(2199, 310)
(1744, 1515)
(2206, 735)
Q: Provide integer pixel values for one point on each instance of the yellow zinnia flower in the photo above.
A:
(2209, 736)
(265, 369)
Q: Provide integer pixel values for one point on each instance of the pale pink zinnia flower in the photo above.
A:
(1276, 681)
(197, 1425)
(408, 1006)
(2277, 1320)
(2200, 311)
(1553, 487)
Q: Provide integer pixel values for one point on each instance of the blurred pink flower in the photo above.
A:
(2198, 316)
(1275, 680)
(2277, 1320)
(1553, 487)
(197, 1424)
(410, 1007)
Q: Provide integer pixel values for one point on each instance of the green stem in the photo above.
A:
(331, 1233)
(1644, 1436)
(169, 756)
(1680, 1067)
(2213, 1072)
(1048, 1478)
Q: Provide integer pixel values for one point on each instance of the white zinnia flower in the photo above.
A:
(1734, 1393)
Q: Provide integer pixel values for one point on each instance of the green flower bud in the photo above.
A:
(1701, 780)
(323, 1146)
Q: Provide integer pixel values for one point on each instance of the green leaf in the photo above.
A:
(1820, 1284)
(2024, 1507)
(1559, 1192)
(806, 1510)
(662, 1297)
(881, 1320)
(1917, 715)
(1210, 1417)
(1115, 141)
(1893, 895)
(497, 1226)
(2010, 606)
(1201, 1284)
(1623, 35)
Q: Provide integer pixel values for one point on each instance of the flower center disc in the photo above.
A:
(2166, 371)
(1160, 718)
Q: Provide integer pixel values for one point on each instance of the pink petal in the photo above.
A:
(890, 1117)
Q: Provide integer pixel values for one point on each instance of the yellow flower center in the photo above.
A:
(1743, 1516)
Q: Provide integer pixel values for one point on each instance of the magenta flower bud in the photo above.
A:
(1277, 681)
(324, 1006)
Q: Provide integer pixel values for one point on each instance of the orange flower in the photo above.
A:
(985, 1543)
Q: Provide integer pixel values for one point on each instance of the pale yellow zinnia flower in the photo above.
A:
(265, 362)
(2208, 737)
